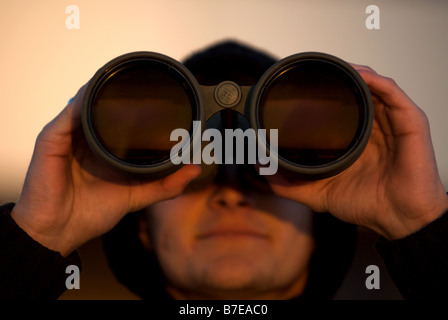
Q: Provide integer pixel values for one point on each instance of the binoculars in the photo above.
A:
(312, 113)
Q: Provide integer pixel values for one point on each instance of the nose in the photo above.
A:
(230, 199)
(232, 192)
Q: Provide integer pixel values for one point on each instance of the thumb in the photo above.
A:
(165, 188)
(174, 184)
(307, 192)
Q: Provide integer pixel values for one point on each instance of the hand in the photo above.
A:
(394, 187)
(69, 198)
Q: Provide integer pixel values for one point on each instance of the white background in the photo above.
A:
(42, 63)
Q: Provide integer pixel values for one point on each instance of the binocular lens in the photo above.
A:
(135, 109)
(316, 107)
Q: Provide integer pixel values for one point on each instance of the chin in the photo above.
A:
(234, 273)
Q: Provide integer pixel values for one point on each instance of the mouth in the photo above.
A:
(231, 233)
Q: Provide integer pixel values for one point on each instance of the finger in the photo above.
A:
(56, 138)
(359, 67)
(387, 90)
(69, 118)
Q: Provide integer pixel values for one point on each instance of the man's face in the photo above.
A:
(231, 242)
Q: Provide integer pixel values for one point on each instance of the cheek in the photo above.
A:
(293, 239)
(167, 233)
(294, 246)
(172, 228)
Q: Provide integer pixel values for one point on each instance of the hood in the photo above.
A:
(139, 270)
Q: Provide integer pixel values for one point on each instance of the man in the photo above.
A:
(235, 237)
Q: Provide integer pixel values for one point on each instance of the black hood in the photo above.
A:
(139, 270)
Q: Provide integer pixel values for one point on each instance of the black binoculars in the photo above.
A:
(317, 105)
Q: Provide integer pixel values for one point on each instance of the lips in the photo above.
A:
(231, 232)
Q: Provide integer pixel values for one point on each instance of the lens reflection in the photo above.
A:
(135, 110)
(315, 105)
